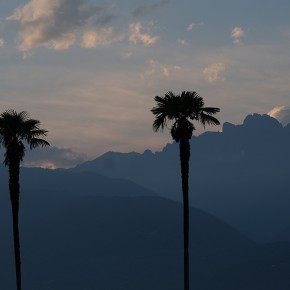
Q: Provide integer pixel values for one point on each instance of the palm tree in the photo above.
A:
(181, 110)
(16, 130)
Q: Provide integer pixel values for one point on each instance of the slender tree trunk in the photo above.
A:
(184, 149)
(14, 169)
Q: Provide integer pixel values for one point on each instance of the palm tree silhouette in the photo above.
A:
(16, 129)
(181, 110)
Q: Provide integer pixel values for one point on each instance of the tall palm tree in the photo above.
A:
(17, 130)
(181, 110)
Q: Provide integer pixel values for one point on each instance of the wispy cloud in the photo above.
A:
(182, 42)
(238, 34)
(137, 36)
(2, 42)
(93, 38)
(126, 55)
(157, 70)
(167, 71)
(57, 24)
(282, 114)
(153, 65)
(192, 25)
(52, 157)
(145, 9)
(212, 73)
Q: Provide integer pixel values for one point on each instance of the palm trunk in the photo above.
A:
(184, 149)
(14, 169)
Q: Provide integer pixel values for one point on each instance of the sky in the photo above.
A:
(89, 70)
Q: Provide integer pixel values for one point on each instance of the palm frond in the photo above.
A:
(211, 110)
(23, 115)
(166, 109)
(9, 113)
(35, 133)
(17, 127)
(30, 124)
(37, 142)
(167, 105)
(206, 119)
(159, 123)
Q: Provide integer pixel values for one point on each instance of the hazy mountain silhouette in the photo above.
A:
(126, 242)
(284, 235)
(63, 183)
(114, 243)
(81, 230)
(240, 174)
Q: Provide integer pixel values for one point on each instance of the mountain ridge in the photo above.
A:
(230, 172)
(89, 237)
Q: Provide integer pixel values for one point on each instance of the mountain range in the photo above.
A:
(116, 222)
(85, 231)
(132, 242)
(240, 175)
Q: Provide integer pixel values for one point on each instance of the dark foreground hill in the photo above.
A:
(118, 243)
(131, 242)
(81, 230)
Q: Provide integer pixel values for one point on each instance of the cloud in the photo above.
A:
(156, 70)
(145, 9)
(53, 157)
(126, 55)
(212, 72)
(2, 42)
(136, 36)
(153, 66)
(57, 24)
(166, 71)
(237, 34)
(192, 25)
(282, 114)
(93, 38)
(182, 42)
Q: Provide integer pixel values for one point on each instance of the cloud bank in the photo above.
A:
(57, 24)
(53, 157)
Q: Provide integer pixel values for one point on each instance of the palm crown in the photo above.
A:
(181, 109)
(16, 129)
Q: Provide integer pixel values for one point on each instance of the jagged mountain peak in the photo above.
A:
(257, 121)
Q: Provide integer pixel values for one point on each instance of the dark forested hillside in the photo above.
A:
(81, 230)
(117, 243)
